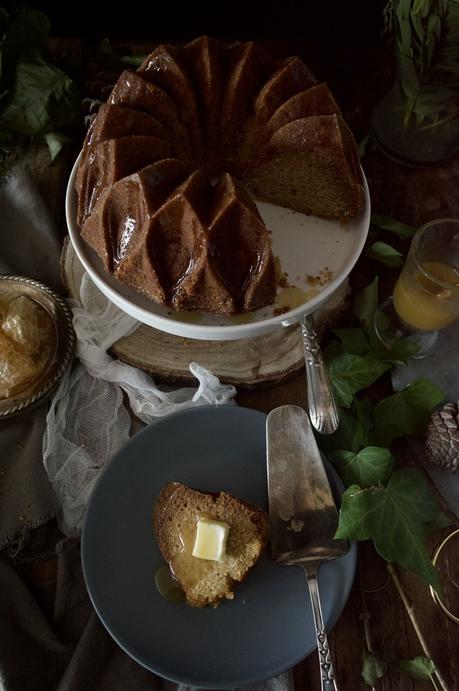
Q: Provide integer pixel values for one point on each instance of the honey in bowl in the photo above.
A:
(27, 342)
(428, 297)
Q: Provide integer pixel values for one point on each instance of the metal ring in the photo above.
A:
(433, 592)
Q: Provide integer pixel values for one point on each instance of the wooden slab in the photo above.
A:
(256, 362)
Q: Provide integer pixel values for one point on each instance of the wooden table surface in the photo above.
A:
(359, 77)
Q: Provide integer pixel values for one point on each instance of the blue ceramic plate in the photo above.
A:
(268, 627)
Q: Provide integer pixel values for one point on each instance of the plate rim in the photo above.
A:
(179, 678)
(206, 331)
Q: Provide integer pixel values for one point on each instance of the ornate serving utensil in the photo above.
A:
(303, 515)
(323, 410)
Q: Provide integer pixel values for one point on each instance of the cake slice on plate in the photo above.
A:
(227, 535)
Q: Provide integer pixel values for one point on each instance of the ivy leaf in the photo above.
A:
(332, 350)
(110, 58)
(372, 668)
(353, 341)
(365, 305)
(370, 466)
(55, 142)
(385, 254)
(394, 517)
(399, 352)
(418, 668)
(28, 29)
(44, 98)
(350, 373)
(406, 411)
(403, 230)
(354, 431)
(442, 521)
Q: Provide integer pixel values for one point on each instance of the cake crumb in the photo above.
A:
(281, 276)
(321, 279)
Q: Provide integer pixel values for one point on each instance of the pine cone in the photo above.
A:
(442, 442)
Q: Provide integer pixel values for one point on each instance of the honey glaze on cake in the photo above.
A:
(185, 568)
(244, 126)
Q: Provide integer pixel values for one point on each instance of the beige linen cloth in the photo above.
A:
(64, 648)
(29, 246)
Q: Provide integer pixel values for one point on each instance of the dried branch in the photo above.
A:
(410, 610)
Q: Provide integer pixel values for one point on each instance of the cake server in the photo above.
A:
(303, 515)
(323, 410)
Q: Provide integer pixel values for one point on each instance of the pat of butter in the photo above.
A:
(211, 539)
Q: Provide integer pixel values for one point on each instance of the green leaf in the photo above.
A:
(365, 144)
(398, 354)
(370, 466)
(351, 373)
(385, 254)
(333, 349)
(418, 6)
(353, 341)
(109, 57)
(354, 431)
(55, 142)
(134, 60)
(394, 518)
(409, 81)
(417, 24)
(372, 668)
(44, 98)
(28, 30)
(406, 411)
(403, 230)
(442, 521)
(365, 304)
(418, 668)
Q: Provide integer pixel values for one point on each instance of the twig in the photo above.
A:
(365, 618)
(410, 610)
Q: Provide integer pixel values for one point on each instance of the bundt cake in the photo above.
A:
(210, 578)
(171, 163)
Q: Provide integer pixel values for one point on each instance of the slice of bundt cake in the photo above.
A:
(317, 100)
(289, 78)
(247, 65)
(310, 165)
(113, 122)
(204, 59)
(125, 209)
(164, 68)
(170, 244)
(109, 161)
(132, 91)
(176, 515)
(240, 247)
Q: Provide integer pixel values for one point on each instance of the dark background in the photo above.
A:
(344, 20)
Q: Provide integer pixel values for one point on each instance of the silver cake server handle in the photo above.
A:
(323, 411)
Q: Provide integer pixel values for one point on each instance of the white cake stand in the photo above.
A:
(316, 256)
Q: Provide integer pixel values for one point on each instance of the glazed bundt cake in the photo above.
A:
(171, 163)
